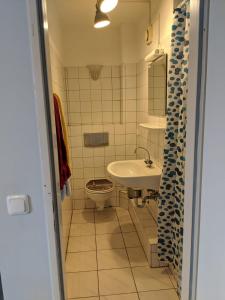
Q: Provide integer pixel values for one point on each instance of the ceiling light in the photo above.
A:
(101, 19)
(107, 5)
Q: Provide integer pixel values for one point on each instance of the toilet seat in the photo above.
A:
(99, 186)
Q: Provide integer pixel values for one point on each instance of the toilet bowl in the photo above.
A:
(99, 190)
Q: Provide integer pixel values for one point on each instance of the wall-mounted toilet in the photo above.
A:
(99, 190)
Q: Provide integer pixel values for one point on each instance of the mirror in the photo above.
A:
(157, 86)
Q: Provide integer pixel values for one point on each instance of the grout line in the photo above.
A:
(132, 293)
(68, 239)
(129, 260)
(110, 269)
(96, 258)
(170, 275)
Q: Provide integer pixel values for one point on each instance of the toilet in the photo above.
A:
(99, 190)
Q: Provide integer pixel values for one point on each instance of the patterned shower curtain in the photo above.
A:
(171, 200)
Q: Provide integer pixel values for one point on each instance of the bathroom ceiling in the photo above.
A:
(82, 12)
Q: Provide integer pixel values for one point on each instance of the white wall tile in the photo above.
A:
(131, 128)
(131, 69)
(84, 84)
(77, 151)
(73, 95)
(116, 94)
(75, 118)
(95, 84)
(131, 105)
(106, 83)
(97, 117)
(131, 82)
(116, 83)
(106, 72)
(96, 95)
(85, 95)
(119, 139)
(107, 106)
(107, 95)
(83, 72)
(74, 107)
(107, 117)
(131, 139)
(73, 84)
(72, 72)
(116, 71)
(131, 93)
(95, 106)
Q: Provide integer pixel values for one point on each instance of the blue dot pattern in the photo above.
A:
(171, 200)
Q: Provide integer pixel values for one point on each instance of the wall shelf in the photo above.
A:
(153, 126)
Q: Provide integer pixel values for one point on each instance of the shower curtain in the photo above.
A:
(171, 200)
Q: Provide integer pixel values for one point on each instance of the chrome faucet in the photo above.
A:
(148, 160)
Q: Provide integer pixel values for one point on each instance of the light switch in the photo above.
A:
(18, 205)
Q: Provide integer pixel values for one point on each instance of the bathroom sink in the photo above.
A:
(135, 174)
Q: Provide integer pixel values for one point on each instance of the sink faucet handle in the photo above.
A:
(148, 162)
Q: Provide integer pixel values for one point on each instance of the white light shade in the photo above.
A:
(101, 19)
(102, 24)
(108, 5)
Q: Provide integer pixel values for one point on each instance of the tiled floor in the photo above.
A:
(105, 260)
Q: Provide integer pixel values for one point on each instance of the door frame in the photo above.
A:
(37, 19)
(194, 144)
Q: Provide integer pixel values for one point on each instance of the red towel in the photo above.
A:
(64, 170)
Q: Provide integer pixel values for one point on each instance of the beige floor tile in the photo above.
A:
(131, 239)
(82, 229)
(159, 295)
(151, 232)
(84, 284)
(126, 222)
(137, 257)
(121, 297)
(109, 241)
(148, 222)
(127, 227)
(79, 211)
(172, 278)
(81, 243)
(89, 298)
(117, 281)
(81, 261)
(124, 218)
(148, 279)
(107, 227)
(122, 212)
(114, 258)
(83, 217)
(105, 216)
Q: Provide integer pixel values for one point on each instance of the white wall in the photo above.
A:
(129, 46)
(24, 261)
(161, 19)
(84, 46)
(55, 28)
(211, 264)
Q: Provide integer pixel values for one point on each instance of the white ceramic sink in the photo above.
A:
(135, 174)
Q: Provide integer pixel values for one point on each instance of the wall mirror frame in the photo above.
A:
(157, 86)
